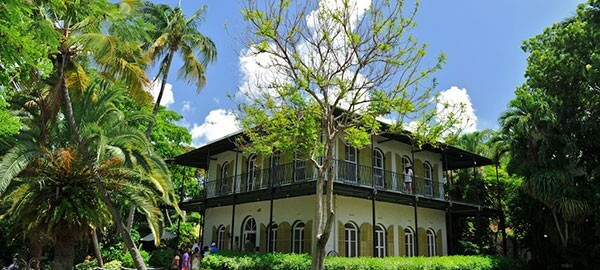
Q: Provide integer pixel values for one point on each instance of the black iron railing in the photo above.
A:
(344, 172)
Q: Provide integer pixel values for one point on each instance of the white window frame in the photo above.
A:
(409, 242)
(431, 243)
(378, 168)
(351, 239)
(251, 179)
(249, 228)
(298, 237)
(220, 237)
(428, 176)
(273, 237)
(351, 175)
(380, 241)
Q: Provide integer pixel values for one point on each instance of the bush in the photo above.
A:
(113, 265)
(93, 264)
(279, 261)
(128, 260)
(162, 257)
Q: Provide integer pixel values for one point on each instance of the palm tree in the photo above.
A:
(51, 188)
(173, 33)
(79, 28)
(535, 149)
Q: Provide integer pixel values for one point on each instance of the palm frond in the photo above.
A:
(16, 160)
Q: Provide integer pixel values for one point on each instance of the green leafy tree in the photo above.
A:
(79, 27)
(329, 71)
(173, 32)
(551, 125)
(51, 189)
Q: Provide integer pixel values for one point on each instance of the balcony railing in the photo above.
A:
(301, 171)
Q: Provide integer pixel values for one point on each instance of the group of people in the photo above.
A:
(191, 257)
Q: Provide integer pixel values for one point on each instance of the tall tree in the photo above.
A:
(51, 189)
(327, 70)
(552, 124)
(79, 27)
(173, 32)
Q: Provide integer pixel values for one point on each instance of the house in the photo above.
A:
(270, 200)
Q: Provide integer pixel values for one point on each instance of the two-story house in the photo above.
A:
(270, 200)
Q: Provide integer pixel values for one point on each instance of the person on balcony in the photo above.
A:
(408, 175)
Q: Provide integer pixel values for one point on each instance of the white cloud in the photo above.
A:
(455, 104)
(167, 97)
(187, 106)
(217, 124)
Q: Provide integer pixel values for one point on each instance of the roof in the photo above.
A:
(455, 158)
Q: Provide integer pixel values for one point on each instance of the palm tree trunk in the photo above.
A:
(64, 249)
(163, 83)
(68, 107)
(96, 248)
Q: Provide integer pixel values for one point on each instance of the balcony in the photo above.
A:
(346, 173)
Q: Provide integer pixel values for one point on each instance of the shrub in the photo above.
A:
(128, 260)
(113, 265)
(279, 261)
(162, 257)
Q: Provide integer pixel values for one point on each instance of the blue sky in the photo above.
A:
(481, 39)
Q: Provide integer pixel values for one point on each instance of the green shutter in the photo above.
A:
(341, 240)
(227, 237)
(365, 235)
(262, 247)
(308, 237)
(439, 242)
(365, 156)
(284, 238)
(214, 234)
(422, 238)
(390, 241)
(401, 241)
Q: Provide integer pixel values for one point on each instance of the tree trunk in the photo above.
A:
(96, 248)
(64, 249)
(323, 223)
(163, 83)
(131, 216)
(68, 107)
(35, 251)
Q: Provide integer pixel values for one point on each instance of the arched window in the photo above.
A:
(220, 237)
(428, 175)
(351, 239)
(431, 243)
(351, 164)
(378, 168)
(272, 237)
(409, 240)
(380, 241)
(252, 171)
(249, 230)
(298, 237)
(224, 177)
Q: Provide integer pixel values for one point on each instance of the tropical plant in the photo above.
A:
(173, 32)
(52, 190)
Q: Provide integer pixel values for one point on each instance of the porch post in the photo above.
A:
(416, 239)
(414, 166)
(205, 195)
(450, 229)
(235, 179)
(269, 230)
(373, 200)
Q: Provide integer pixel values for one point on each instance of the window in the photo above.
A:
(351, 240)
(409, 241)
(298, 237)
(275, 169)
(224, 177)
(251, 173)
(299, 170)
(431, 243)
(428, 174)
(380, 241)
(378, 168)
(249, 230)
(351, 164)
(220, 237)
(272, 237)
(408, 174)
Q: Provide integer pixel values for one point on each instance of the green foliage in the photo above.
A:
(188, 233)
(279, 261)
(9, 125)
(162, 257)
(127, 260)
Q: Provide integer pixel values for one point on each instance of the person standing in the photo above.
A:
(408, 176)
(249, 246)
(185, 260)
(175, 262)
(213, 247)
